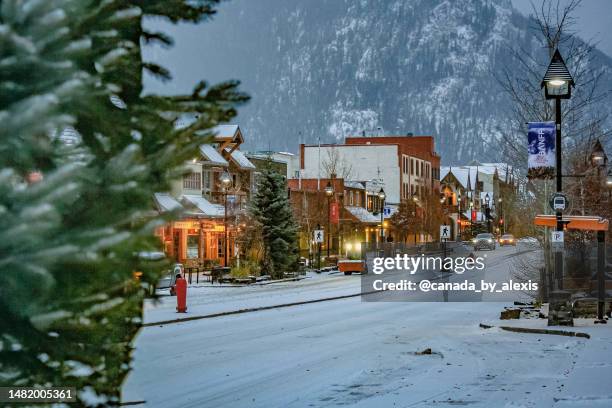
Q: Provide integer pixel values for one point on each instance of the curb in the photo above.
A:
(253, 309)
(538, 331)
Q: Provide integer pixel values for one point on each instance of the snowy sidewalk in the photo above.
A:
(205, 300)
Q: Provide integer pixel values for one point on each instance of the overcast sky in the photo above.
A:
(594, 20)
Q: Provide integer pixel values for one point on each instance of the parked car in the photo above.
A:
(484, 241)
(507, 239)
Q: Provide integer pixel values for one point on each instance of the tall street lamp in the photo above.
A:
(381, 196)
(600, 160)
(415, 200)
(501, 215)
(459, 215)
(557, 84)
(226, 179)
(319, 250)
(488, 211)
(471, 220)
(329, 192)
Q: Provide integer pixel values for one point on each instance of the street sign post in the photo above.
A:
(557, 238)
(445, 232)
(319, 236)
(559, 202)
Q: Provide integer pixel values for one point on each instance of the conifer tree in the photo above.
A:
(271, 208)
(81, 153)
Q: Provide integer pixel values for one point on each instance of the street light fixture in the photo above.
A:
(488, 211)
(558, 83)
(598, 156)
(382, 196)
(501, 215)
(329, 192)
(459, 214)
(226, 179)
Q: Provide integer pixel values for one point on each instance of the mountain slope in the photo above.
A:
(331, 68)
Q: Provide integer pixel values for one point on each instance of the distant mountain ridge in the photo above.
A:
(334, 68)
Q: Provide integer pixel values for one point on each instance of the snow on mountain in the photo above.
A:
(331, 68)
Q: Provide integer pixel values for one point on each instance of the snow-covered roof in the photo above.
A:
(225, 131)
(207, 208)
(444, 171)
(473, 177)
(362, 214)
(241, 160)
(373, 186)
(212, 155)
(165, 202)
(504, 171)
(460, 173)
(354, 184)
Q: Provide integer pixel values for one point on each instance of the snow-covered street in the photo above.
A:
(349, 352)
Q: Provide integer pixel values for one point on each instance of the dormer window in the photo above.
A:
(192, 181)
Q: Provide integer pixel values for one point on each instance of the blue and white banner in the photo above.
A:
(541, 148)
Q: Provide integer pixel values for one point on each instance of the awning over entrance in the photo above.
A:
(202, 204)
(165, 202)
(580, 222)
(362, 215)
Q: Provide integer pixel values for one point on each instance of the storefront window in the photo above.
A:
(220, 247)
(192, 246)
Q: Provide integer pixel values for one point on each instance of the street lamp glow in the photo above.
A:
(225, 179)
(329, 189)
(381, 194)
(598, 158)
(557, 82)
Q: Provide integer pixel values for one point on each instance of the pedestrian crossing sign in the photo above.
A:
(445, 231)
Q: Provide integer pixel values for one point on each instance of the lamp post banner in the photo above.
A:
(334, 213)
(541, 149)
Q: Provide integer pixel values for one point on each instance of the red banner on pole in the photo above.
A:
(334, 213)
(473, 215)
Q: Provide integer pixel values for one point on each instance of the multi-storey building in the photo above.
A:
(209, 206)
(419, 163)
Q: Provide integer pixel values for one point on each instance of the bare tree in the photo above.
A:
(554, 25)
(583, 118)
(335, 166)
